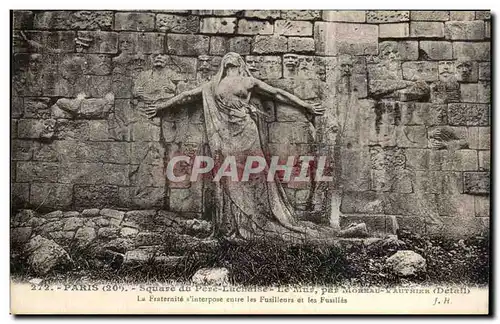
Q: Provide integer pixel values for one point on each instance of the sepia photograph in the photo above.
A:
(250, 161)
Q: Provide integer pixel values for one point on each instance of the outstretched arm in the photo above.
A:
(187, 96)
(287, 97)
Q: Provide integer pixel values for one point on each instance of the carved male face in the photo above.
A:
(251, 63)
(126, 46)
(204, 63)
(290, 61)
(464, 70)
(389, 52)
(345, 65)
(35, 62)
(446, 70)
(160, 60)
(306, 63)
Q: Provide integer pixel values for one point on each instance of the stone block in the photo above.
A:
(301, 14)
(457, 206)
(355, 167)
(464, 30)
(300, 44)
(177, 24)
(387, 16)
(420, 71)
(102, 41)
(95, 196)
(293, 28)
(459, 160)
(426, 29)
(52, 20)
(218, 25)
(344, 15)
(37, 172)
(437, 50)
(411, 136)
(22, 19)
(92, 20)
(400, 30)
(479, 51)
(267, 67)
(291, 132)
(19, 194)
(186, 200)
(51, 195)
(143, 197)
(483, 14)
(254, 27)
(475, 92)
(339, 38)
(376, 225)
(262, 14)
(417, 159)
(487, 29)
(462, 15)
(404, 50)
(94, 173)
(145, 132)
(477, 183)
(22, 150)
(231, 12)
(134, 21)
(430, 15)
(484, 160)
(420, 113)
(270, 44)
(188, 45)
(482, 206)
(365, 202)
(464, 114)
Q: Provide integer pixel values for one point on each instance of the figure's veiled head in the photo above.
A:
(232, 64)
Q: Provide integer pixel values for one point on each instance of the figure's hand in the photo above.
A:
(150, 110)
(316, 109)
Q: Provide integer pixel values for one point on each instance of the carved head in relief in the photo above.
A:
(160, 60)
(35, 63)
(306, 63)
(345, 65)
(251, 63)
(204, 63)
(290, 61)
(446, 70)
(464, 70)
(389, 51)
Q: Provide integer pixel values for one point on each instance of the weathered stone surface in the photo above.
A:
(344, 15)
(387, 16)
(437, 50)
(270, 44)
(484, 160)
(94, 173)
(300, 44)
(20, 194)
(394, 30)
(177, 24)
(483, 14)
(468, 114)
(426, 71)
(128, 232)
(293, 28)
(295, 132)
(459, 160)
(90, 195)
(135, 21)
(487, 29)
(112, 213)
(51, 195)
(92, 212)
(471, 51)
(462, 15)
(267, 67)
(218, 25)
(255, 27)
(406, 263)
(464, 30)
(402, 50)
(301, 14)
(73, 20)
(426, 29)
(147, 239)
(84, 236)
(22, 19)
(34, 128)
(477, 183)
(338, 38)
(45, 255)
(262, 14)
(20, 235)
(102, 41)
(429, 15)
(211, 276)
(482, 206)
(190, 45)
(108, 232)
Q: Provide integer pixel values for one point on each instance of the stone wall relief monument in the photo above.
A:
(259, 207)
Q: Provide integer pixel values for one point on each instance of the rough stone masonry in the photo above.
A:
(410, 91)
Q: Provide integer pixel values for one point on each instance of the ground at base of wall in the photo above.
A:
(264, 263)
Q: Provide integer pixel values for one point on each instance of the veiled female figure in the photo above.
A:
(243, 210)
